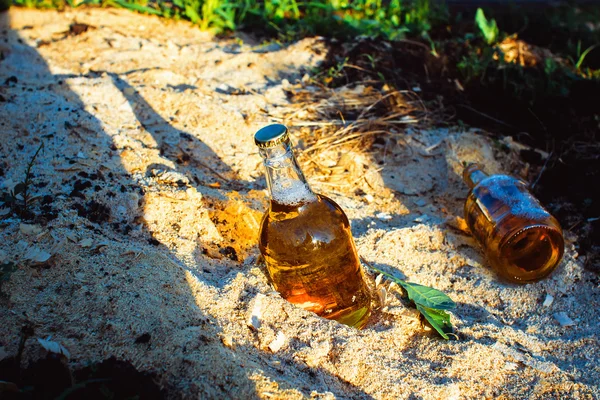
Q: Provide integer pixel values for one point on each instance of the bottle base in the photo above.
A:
(356, 319)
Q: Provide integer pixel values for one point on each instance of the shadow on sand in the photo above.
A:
(137, 305)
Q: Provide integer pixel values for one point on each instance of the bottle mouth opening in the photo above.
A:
(533, 252)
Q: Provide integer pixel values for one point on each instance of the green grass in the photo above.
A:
(390, 19)
(473, 39)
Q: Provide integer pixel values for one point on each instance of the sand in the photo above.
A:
(146, 200)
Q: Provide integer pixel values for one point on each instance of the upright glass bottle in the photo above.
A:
(306, 241)
(521, 240)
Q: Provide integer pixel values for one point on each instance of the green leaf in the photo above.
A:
(192, 14)
(438, 319)
(430, 302)
(584, 55)
(136, 7)
(489, 29)
(426, 296)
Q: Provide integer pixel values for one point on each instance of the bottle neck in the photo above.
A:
(285, 179)
(473, 174)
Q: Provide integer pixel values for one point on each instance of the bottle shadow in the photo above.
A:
(124, 297)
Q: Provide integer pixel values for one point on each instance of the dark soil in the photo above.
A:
(50, 378)
(506, 100)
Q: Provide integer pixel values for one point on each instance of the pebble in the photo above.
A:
(420, 202)
(383, 216)
(422, 218)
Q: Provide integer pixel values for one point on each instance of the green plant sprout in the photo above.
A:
(19, 199)
(431, 303)
(488, 28)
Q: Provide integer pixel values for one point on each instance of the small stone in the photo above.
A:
(383, 216)
(422, 218)
(227, 341)
(143, 338)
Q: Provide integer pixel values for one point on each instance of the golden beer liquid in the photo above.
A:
(312, 261)
(521, 240)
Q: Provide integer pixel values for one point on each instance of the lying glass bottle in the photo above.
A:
(521, 240)
(306, 241)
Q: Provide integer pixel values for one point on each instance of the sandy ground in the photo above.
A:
(149, 191)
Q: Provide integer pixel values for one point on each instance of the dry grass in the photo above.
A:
(524, 54)
(337, 128)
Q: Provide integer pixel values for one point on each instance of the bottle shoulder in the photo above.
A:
(320, 225)
(493, 181)
(321, 207)
(508, 199)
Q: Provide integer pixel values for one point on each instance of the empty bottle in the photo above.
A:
(521, 240)
(306, 241)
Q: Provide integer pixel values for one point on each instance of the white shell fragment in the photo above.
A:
(30, 229)
(37, 255)
(548, 300)
(278, 343)
(86, 242)
(255, 315)
(54, 347)
(378, 280)
(563, 319)
(383, 216)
